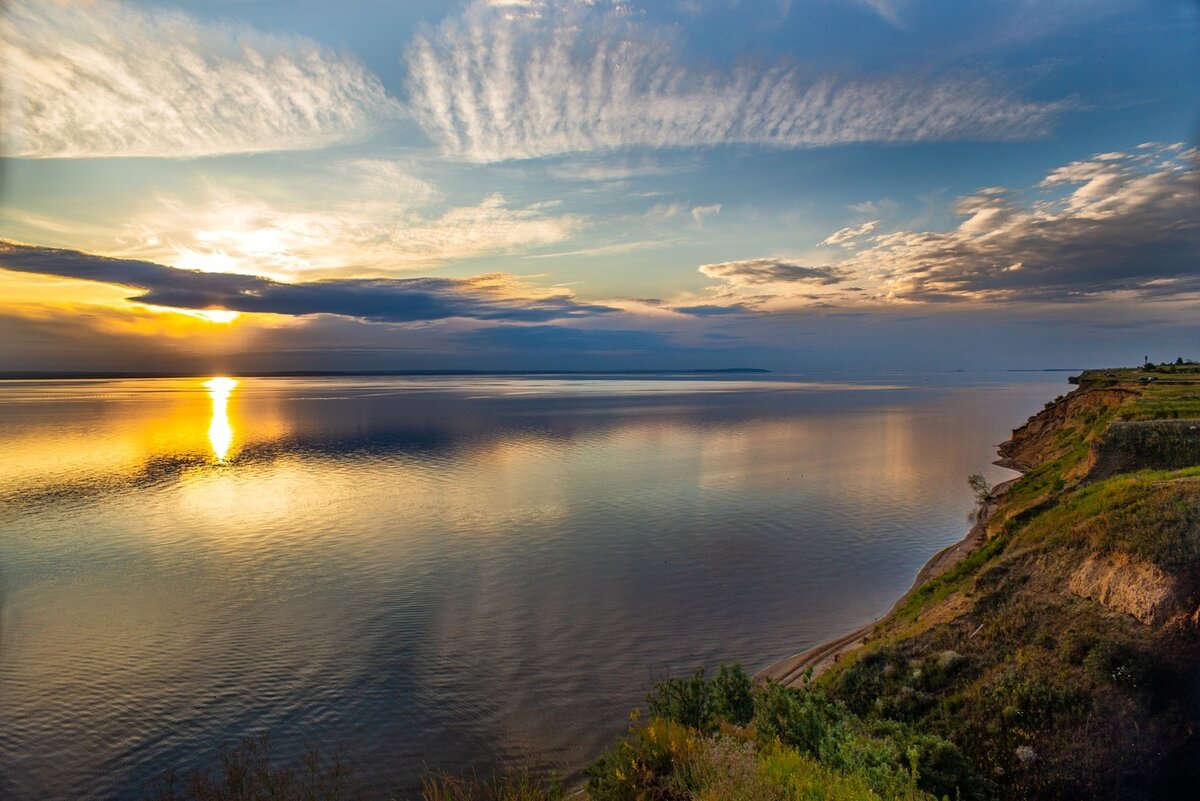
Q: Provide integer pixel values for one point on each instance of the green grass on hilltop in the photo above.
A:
(1152, 515)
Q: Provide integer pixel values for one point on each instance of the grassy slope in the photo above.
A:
(1049, 694)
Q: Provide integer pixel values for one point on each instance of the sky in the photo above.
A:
(255, 185)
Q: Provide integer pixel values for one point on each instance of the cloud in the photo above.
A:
(712, 310)
(487, 297)
(888, 9)
(760, 272)
(583, 76)
(1117, 222)
(700, 212)
(378, 221)
(97, 78)
(1116, 226)
(609, 172)
(846, 237)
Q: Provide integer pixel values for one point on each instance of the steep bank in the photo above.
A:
(1061, 656)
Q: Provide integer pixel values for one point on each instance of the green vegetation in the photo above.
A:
(1057, 661)
(980, 486)
(1049, 691)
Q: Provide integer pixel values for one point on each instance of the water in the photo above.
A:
(442, 572)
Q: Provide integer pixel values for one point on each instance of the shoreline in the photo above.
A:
(791, 670)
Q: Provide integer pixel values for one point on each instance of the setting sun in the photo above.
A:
(218, 315)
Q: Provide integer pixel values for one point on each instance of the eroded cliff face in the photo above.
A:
(1144, 590)
(1047, 435)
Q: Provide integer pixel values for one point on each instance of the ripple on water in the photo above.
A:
(441, 572)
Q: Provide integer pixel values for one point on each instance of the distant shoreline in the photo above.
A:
(51, 375)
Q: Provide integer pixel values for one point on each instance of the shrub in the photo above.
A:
(1119, 664)
(800, 778)
(646, 765)
(731, 694)
(803, 719)
(701, 703)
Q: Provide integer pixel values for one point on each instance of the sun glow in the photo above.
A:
(218, 316)
(220, 432)
(205, 262)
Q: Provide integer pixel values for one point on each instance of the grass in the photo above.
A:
(1151, 515)
(1049, 695)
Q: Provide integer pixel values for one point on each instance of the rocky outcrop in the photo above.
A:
(1141, 589)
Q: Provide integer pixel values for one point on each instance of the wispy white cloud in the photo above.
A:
(604, 171)
(700, 212)
(97, 78)
(582, 76)
(348, 218)
(888, 9)
(236, 233)
(847, 237)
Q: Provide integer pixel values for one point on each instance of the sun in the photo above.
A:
(218, 315)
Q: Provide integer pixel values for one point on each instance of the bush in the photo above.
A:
(700, 703)
(646, 765)
(1119, 664)
(803, 719)
(731, 694)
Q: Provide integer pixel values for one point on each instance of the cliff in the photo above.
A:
(1061, 657)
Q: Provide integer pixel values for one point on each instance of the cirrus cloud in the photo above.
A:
(97, 78)
(498, 84)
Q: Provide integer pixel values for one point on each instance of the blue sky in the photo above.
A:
(533, 184)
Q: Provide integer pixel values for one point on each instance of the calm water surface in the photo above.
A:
(442, 572)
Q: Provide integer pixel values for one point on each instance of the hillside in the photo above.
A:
(1061, 657)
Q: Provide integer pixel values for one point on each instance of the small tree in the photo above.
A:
(980, 486)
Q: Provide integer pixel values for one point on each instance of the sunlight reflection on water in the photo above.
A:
(220, 432)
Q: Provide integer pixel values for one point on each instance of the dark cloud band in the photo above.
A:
(390, 300)
(757, 272)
